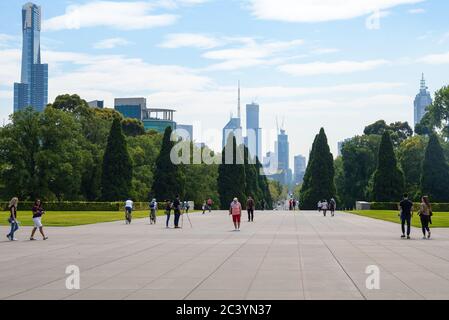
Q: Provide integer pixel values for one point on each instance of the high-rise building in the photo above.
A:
(253, 131)
(99, 104)
(234, 126)
(282, 151)
(131, 107)
(300, 168)
(33, 87)
(422, 101)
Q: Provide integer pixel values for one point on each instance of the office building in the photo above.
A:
(300, 168)
(134, 108)
(253, 139)
(33, 88)
(96, 104)
(422, 101)
(234, 126)
(159, 119)
(185, 131)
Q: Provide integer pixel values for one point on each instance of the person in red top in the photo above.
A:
(209, 204)
(236, 211)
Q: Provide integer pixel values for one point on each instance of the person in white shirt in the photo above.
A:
(128, 210)
(324, 207)
(153, 210)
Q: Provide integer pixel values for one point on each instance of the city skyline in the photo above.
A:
(341, 73)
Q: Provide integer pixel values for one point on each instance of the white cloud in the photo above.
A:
(179, 40)
(320, 51)
(436, 59)
(319, 10)
(111, 43)
(119, 15)
(251, 53)
(339, 67)
(417, 11)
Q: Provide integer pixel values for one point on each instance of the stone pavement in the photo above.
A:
(282, 255)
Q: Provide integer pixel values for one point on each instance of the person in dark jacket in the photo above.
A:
(177, 211)
(250, 208)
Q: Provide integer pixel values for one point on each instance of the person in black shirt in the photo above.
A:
(177, 211)
(406, 207)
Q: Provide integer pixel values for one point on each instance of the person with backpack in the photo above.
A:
(235, 210)
(38, 212)
(168, 208)
(425, 213)
(129, 204)
(13, 218)
(250, 208)
(406, 214)
(177, 211)
(153, 211)
(324, 207)
(332, 206)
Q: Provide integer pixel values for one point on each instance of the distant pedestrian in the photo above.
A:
(209, 204)
(13, 218)
(250, 206)
(204, 207)
(290, 204)
(177, 211)
(406, 207)
(186, 206)
(129, 205)
(320, 205)
(38, 212)
(425, 213)
(324, 207)
(294, 204)
(153, 211)
(332, 206)
(236, 211)
(168, 207)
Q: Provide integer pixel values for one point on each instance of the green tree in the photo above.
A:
(116, 179)
(388, 179)
(410, 156)
(69, 103)
(435, 172)
(232, 176)
(437, 115)
(133, 127)
(399, 131)
(169, 178)
(320, 174)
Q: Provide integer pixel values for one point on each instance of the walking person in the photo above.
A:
(13, 218)
(236, 211)
(168, 207)
(153, 211)
(324, 207)
(177, 211)
(38, 212)
(204, 207)
(250, 208)
(332, 206)
(320, 205)
(129, 204)
(209, 204)
(425, 213)
(406, 207)
(186, 206)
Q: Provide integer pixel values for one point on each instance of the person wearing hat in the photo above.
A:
(236, 211)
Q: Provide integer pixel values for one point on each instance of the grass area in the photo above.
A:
(73, 218)
(439, 219)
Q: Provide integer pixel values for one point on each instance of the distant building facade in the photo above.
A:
(99, 104)
(253, 139)
(131, 107)
(33, 88)
(185, 131)
(300, 168)
(422, 101)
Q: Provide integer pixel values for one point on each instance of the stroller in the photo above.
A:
(153, 210)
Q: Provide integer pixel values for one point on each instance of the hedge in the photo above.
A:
(437, 207)
(79, 206)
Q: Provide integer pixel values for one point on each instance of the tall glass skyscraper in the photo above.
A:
(33, 88)
(254, 132)
(422, 101)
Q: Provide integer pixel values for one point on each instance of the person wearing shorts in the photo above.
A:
(236, 211)
(38, 212)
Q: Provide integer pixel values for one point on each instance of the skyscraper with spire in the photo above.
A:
(422, 101)
(33, 88)
(234, 126)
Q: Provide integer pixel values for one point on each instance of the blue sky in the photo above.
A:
(313, 63)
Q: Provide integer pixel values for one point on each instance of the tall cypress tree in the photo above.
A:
(388, 179)
(264, 188)
(169, 179)
(435, 172)
(231, 176)
(116, 179)
(319, 178)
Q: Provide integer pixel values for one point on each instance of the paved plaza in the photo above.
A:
(282, 255)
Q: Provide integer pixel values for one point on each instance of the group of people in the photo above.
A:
(235, 210)
(207, 205)
(37, 211)
(406, 213)
(324, 206)
(292, 204)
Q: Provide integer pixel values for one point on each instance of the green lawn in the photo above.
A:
(73, 218)
(439, 219)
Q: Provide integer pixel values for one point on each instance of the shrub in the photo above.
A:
(437, 207)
